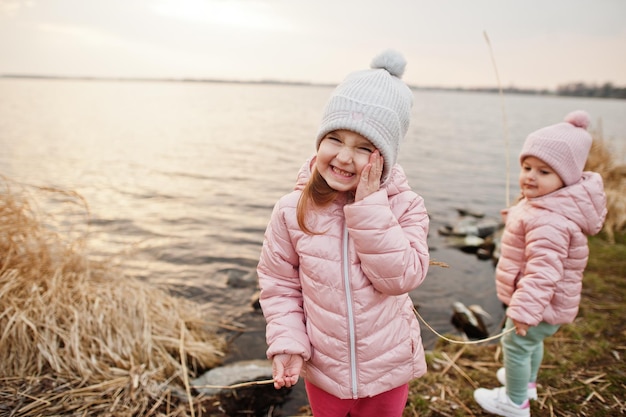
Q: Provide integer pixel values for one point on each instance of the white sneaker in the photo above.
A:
(532, 386)
(496, 401)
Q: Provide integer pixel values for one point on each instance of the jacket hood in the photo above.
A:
(584, 202)
(395, 183)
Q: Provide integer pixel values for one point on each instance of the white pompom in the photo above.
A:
(578, 118)
(390, 60)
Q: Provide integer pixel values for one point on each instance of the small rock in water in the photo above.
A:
(255, 301)
(237, 278)
(468, 243)
(250, 400)
(231, 374)
(469, 320)
(468, 226)
(470, 212)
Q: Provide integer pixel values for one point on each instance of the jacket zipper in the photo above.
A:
(346, 282)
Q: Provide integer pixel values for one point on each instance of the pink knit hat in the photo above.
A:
(564, 146)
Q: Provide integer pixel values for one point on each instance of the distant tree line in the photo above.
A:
(578, 89)
(606, 90)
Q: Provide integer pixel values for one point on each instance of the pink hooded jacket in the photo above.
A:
(544, 252)
(340, 298)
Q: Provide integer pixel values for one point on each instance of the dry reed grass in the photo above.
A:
(603, 161)
(77, 337)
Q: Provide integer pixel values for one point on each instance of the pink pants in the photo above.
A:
(387, 404)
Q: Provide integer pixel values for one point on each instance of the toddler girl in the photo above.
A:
(543, 255)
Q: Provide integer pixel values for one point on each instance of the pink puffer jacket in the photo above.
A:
(340, 298)
(544, 252)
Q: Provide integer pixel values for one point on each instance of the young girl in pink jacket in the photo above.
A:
(342, 251)
(543, 255)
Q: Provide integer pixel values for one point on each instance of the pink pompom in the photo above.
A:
(578, 118)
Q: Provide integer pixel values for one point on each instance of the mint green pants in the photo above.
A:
(522, 358)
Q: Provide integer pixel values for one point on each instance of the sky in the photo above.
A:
(532, 43)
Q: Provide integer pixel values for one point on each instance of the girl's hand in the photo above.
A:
(520, 328)
(370, 177)
(286, 370)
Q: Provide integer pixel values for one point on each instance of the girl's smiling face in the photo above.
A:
(537, 178)
(341, 157)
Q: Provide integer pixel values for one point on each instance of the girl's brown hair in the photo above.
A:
(316, 192)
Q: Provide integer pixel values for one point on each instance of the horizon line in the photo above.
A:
(511, 88)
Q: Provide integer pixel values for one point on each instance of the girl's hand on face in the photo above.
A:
(286, 370)
(370, 177)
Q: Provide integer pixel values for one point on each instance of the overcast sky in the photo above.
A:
(535, 43)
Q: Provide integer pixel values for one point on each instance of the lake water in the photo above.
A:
(181, 178)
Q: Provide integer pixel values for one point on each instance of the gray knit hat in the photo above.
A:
(374, 103)
(564, 146)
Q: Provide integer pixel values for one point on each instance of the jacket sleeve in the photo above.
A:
(392, 248)
(545, 253)
(281, 292)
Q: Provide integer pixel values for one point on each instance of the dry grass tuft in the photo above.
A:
(602, 160)
(77, 337)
